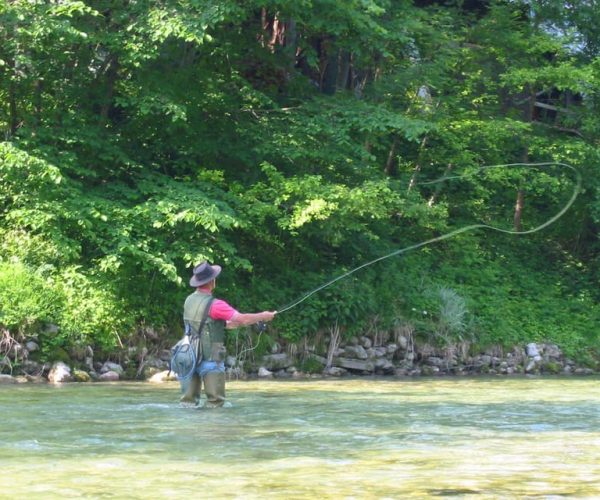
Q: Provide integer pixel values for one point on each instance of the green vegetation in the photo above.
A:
(290, 142)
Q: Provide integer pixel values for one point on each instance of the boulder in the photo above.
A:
(402, 342)
(354, 364)
(31, 367)
(391, 348)
(264, 373)
(59, 373)
(532, 350)
(7, 379)
(384, 365)
(161, 377)
(276, 362)
(32, 346)
(366, 342)
(81, 376)
(334, 371)
(356, 351)
(109, 376)
(109, 366)
(552, 351)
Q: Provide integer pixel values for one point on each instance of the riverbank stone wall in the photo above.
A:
(358, 356)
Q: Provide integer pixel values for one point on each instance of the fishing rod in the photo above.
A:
(551, 220)
(471, 227)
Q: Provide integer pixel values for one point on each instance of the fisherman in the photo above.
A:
(217, 315)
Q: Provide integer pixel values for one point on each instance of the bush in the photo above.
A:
(27, 298)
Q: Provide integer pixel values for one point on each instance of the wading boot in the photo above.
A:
(214, 387)
(191, 390)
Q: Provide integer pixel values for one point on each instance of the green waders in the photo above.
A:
(210, 349)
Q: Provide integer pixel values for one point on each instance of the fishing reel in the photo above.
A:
(260, 327)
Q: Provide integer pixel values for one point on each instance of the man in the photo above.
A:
(212, 316)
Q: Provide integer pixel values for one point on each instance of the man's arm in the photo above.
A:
(247, 319)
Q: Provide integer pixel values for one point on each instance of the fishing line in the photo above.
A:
(551, 220)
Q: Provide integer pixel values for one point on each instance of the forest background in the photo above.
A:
(289, 141)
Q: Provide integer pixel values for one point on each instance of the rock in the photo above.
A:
(282, 374)
(17, 351)
(32, 367)
(36, 379)
(380, 352)
(384, 365)
(109, 376)
(485, 359)
(149, 371)
(112, 367)
(435, 361)
(402, 342)
(355, 364)
(230, 361)
(366, 342)
(161, 377)
(552, 351)
(356, 351)
(276, 362)
(7, 379)
(319, 359)
(32, 346)
(334, 371)
(264, 373)
(532, 350)
(59, 373)
(81, 376)
(391, 348)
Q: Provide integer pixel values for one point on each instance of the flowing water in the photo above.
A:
(348, 438)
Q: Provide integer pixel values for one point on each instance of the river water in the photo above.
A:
(348, 438)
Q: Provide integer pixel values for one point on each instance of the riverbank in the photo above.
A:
(401, 355)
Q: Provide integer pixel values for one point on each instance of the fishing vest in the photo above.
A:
(212, 337)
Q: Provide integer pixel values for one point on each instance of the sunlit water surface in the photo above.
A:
(360, 438)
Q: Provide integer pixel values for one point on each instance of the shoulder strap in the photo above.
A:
(188, 328)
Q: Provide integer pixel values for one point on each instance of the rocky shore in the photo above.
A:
(359, 356)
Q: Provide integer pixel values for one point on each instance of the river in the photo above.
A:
(346, 438)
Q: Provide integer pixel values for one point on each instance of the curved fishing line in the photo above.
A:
(551, 220)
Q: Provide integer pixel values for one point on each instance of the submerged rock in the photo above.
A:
(161, 377)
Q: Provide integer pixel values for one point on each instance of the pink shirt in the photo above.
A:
(219, 309)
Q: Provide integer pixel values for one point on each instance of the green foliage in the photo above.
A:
(292, 142)
(27, 298)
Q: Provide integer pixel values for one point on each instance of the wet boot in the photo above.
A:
(191, 390)
(214, 387)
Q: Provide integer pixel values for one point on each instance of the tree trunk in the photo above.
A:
(417, 169)
(390, 164)
(438, 188)
(111, 79)
(518, 210)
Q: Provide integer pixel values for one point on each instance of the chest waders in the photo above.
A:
(208, 336)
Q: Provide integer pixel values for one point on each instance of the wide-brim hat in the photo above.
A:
(203, 273)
